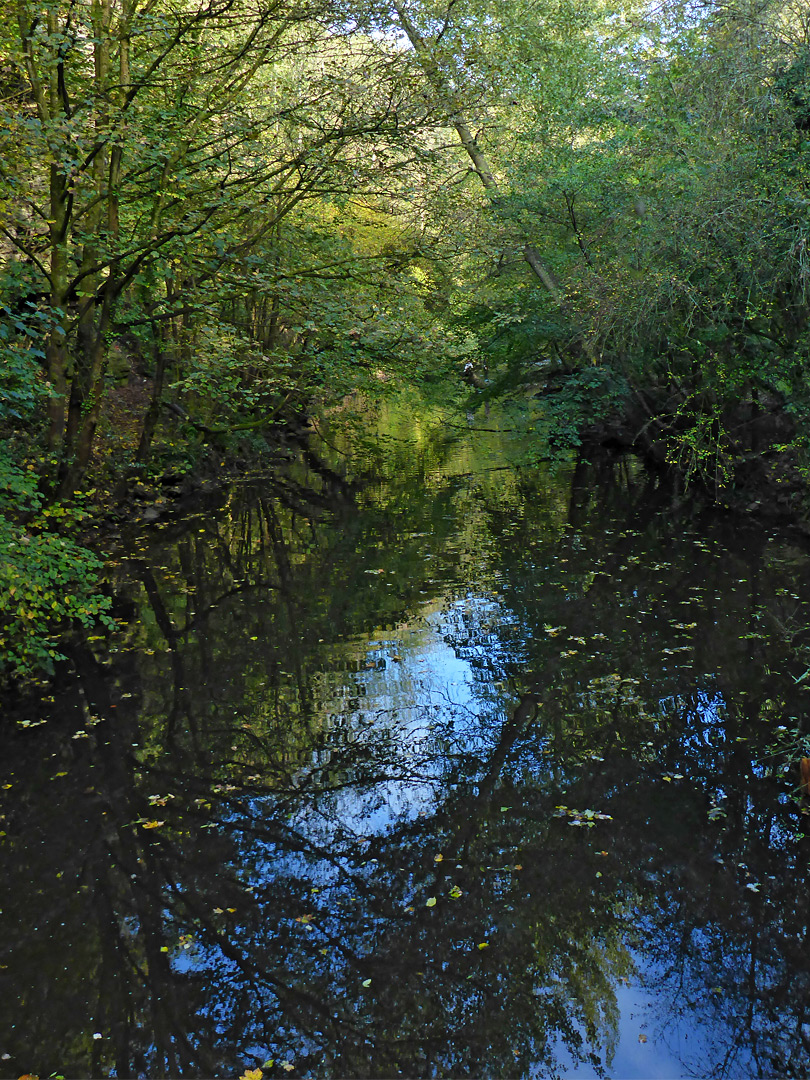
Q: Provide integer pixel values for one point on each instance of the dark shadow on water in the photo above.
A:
(458, 772)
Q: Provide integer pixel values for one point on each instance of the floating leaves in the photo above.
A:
(716, 812)
(582, 818)
(430, 902)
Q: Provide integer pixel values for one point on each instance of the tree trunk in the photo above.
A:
(76, 468)
(56, 347)
(150, 420)
(476, 155)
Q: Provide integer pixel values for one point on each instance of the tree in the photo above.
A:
(162, 148)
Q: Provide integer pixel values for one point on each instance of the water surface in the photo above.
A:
(415, 758)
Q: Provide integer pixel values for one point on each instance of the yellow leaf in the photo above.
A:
(251, 1074)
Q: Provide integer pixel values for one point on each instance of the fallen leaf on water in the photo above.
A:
(152, 824)
(251, 1074)
(455, 892)
(483, 944)
(430, 902)
(642, 1038)
(438, 858)
(366, 982)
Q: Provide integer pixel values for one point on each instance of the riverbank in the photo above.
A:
(748, 461)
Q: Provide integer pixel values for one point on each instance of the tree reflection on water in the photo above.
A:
(412, 778)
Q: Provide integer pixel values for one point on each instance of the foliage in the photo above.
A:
(252, 209)
(47, 580)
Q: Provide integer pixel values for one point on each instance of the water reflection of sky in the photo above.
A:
(340, 729)
(421, 691)
(419, 695)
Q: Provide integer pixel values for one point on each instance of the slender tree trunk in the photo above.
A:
(476, 155)
(88, 389)
(51, 104)
(56, 348)
(150, 420)
(91, 407)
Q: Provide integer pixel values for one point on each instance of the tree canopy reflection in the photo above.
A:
(373, 784)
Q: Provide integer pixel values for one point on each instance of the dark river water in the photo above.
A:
(420, 763)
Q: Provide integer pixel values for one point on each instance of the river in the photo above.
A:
(419, 757)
